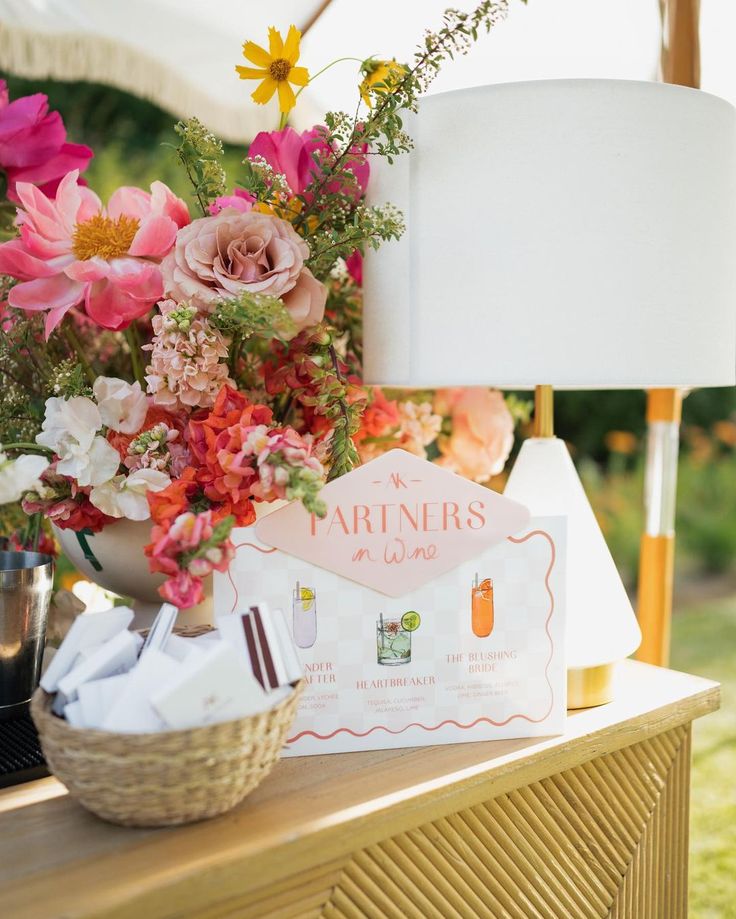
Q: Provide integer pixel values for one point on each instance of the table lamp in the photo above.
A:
(577, 234)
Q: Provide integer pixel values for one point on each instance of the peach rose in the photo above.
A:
(482, 431)
(219, 257)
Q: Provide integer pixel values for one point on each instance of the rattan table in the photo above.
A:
(594, 823)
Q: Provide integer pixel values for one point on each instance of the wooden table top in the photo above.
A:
(58, 860)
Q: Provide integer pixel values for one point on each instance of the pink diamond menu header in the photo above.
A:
(395, 524)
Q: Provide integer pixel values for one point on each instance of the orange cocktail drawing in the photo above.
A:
(482, 607)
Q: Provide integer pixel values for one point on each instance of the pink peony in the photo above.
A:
(72, 251)
(482, 431)
(222, 256)
(33, 145)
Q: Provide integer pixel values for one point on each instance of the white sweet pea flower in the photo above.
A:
(95, 467)
(66, 420)
(70, 429)
(125, 496)
(17, 477)
(122, 405)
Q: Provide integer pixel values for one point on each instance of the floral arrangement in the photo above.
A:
(179, 364)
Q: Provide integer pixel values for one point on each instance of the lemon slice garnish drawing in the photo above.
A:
(411, 621)
(307, 597)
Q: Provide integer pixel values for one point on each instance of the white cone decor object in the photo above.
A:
(601, 625)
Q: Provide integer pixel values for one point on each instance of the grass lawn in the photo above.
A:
(704, 643)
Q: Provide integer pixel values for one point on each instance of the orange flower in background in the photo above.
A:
(621, 442)
(701, 446)
(379, 418)
(275, 68)
(725, 431)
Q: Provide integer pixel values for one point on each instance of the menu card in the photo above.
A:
(426, 609)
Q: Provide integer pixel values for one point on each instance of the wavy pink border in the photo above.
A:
(465, 727)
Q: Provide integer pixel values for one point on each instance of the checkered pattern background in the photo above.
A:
(347, 614)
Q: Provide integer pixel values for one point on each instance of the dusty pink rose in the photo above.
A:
(72, 251)
(33, 145)
(482, 431)
(221, 256)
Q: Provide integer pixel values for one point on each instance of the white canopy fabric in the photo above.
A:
(181, 54)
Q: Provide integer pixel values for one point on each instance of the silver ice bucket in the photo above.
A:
(26, 581)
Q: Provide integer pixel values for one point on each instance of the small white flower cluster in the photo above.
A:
(268, 175)
(420, 426)
(73, 430)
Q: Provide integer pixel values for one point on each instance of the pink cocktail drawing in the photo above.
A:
(304, 612)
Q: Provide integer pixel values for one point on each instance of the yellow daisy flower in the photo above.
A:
(387, 72)
(275, 68)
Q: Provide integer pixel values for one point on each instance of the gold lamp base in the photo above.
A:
(590, 686)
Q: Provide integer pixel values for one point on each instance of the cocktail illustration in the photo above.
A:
(482, 607)
(304, 612)
(393, 642)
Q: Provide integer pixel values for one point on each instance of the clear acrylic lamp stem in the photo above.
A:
(660, 478)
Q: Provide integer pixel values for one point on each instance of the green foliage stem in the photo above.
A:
(201, 153)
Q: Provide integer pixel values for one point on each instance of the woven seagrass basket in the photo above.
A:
(167, 778)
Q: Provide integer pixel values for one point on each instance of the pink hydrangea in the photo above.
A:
(72, 251)
(33, 145)
(188, 359)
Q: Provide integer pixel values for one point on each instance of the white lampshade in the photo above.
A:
(580, 233)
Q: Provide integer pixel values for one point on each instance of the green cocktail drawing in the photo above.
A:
(393, 642)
